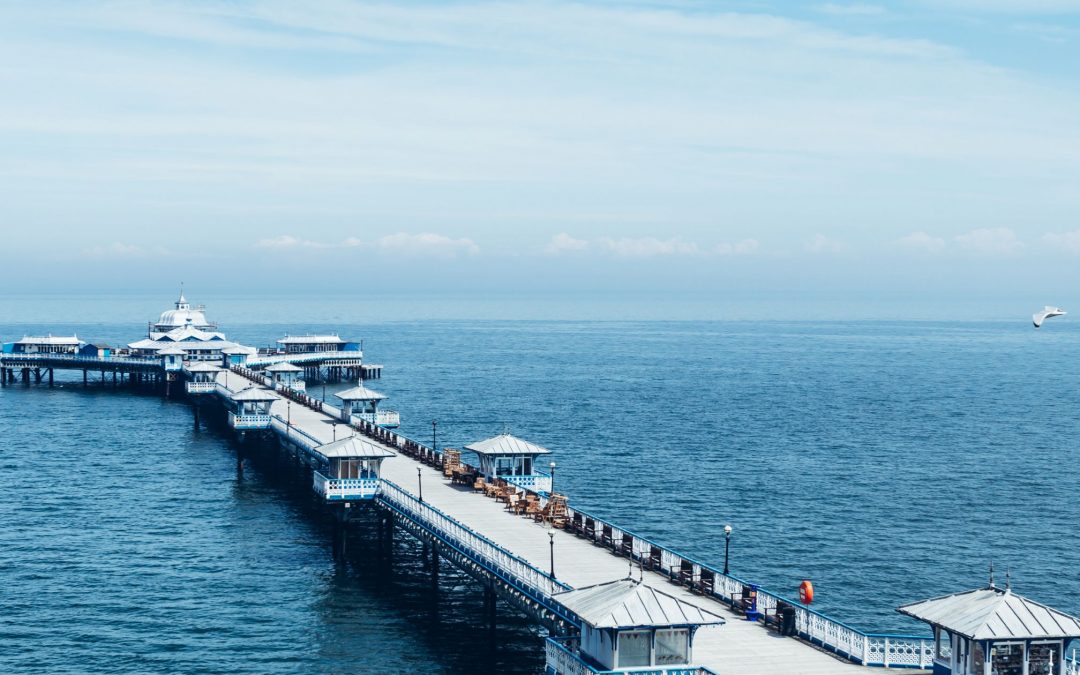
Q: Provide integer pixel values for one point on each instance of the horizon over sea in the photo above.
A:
(887, 451)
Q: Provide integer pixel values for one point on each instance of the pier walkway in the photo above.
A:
(738, 646)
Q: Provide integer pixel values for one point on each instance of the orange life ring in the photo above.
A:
(806, 592)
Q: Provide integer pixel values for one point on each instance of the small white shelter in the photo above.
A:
(172, 359)
(993, 631)
(513, 459)
(349, 469)
(47, 344)
(237, 355)
(288, 375)
(252, 408)
(306, 344)
(360, 402)
(203, 377)
(627, 624)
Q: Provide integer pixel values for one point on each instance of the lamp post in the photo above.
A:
(727, 546)
(288, 418)
(434, 448)
(552, 467)
(419, 484)
(334, 426)
(551, 544)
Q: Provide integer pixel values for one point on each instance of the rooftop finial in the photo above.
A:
(1008, 578)
(991, 574)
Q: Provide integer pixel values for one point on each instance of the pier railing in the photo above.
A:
(76, 359)
(495, 559)
(868, 649)
(339, 489)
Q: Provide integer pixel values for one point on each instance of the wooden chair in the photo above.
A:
(479, 485)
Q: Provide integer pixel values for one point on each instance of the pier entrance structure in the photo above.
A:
(511, 459)
(626, 624)
(993, 631)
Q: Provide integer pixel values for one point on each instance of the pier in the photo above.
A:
(612, 600)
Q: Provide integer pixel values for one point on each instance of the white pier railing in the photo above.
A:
(537, 482)
(200, 387)
(249, 421)
(868, 649)
(475, 546)
(338, 489)
(383, 418)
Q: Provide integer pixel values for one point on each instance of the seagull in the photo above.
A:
(1047, 312)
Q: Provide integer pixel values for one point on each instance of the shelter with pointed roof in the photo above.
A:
(286, 374)
(349, 469)
(993, 631)
(360, 402)
(628, 624)
(250, 408)
(511, 458)
(203, 377)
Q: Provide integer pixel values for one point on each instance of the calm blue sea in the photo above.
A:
(886, 459)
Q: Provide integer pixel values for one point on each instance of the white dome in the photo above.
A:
(182, 316)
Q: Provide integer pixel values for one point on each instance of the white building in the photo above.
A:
(183, 315)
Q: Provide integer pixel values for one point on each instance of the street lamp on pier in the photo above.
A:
(727, 546)
(552, 467)
(419, 484)
(551, 544)
(288, 418)
(334, 426)
(434, 448)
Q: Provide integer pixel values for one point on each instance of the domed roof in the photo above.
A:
(182, 315)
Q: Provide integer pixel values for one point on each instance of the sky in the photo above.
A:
(748, 148)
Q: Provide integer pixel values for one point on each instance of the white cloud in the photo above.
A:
(990, 241)
(287, 241)
(854, 9)
(744, 247)
(564, 243)
(426, 244)
(121, 250)
(647, 247)
(822, 244)
(921, 241)
(1068, 242)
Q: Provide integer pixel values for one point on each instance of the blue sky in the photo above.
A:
(905, 148)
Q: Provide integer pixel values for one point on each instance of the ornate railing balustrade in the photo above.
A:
(538, 482)
(496, 560)
(46, 357)
(337, 489)
(1072, 664)
(868, 649)
(200, 387)
(306, 357)
(249, 421)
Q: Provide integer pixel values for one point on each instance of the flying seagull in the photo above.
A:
(1047, 312)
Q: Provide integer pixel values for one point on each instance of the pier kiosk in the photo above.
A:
(235, 356)
(626, 624)
(362, 404)
(252, 409)
(349, 469)
(48, 344)
(993, 631)
(512, 459)
(286, 375)
(172, 359)
(203, 377)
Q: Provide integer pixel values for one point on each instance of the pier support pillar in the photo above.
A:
(435, 567)
(37, 375)
(489, 608)
(50, 377)
(85, 378)
(195, 413)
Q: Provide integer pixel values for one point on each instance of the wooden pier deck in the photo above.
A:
(739, 646)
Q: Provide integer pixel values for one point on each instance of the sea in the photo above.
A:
(886, 453)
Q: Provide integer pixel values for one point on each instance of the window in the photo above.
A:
(635, 648)
(672, 646)
(1043, 659)
(944, 645)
